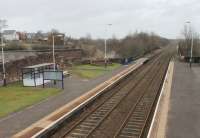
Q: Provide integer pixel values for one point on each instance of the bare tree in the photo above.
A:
(190, 36)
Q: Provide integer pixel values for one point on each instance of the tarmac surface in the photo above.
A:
(74, 87)
(184, 112)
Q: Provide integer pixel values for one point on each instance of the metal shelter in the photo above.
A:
(40, 74)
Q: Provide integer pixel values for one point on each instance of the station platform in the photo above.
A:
(184, 105)
(74, 87)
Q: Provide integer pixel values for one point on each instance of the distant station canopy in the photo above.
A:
(40, 74)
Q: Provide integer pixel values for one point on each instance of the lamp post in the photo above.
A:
(54, 61)
(105, 47)
(3, 25)
(64, 40)
(192, 43)
(53, 43)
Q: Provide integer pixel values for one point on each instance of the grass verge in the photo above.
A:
(92, 71)
(15, 97)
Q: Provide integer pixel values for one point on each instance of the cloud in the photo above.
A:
(78, 17)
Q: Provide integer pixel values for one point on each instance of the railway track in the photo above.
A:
(135, 122)
(124, 110)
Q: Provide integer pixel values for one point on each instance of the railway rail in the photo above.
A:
(123, 111)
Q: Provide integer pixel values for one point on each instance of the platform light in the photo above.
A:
(105, 48)
(53, 44)
(191, 50)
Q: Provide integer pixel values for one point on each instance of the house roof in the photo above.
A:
(39, 65)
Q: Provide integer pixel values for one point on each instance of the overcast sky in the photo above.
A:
(80, 17)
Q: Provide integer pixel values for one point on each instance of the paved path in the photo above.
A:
(74, 87)
(184, 113)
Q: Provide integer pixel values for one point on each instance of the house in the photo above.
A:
(30, 36)
(10, 35)
(37, 37)
(59, 38)
(45, 37)
(22, 36)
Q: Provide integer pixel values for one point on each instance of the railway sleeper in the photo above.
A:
(85, 127)
(85, 131)
(89, 124)
(95, 117)
(130, 133)
(77, 135)
(134, 125)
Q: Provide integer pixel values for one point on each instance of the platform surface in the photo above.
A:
(184, 112)
(74, 87)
